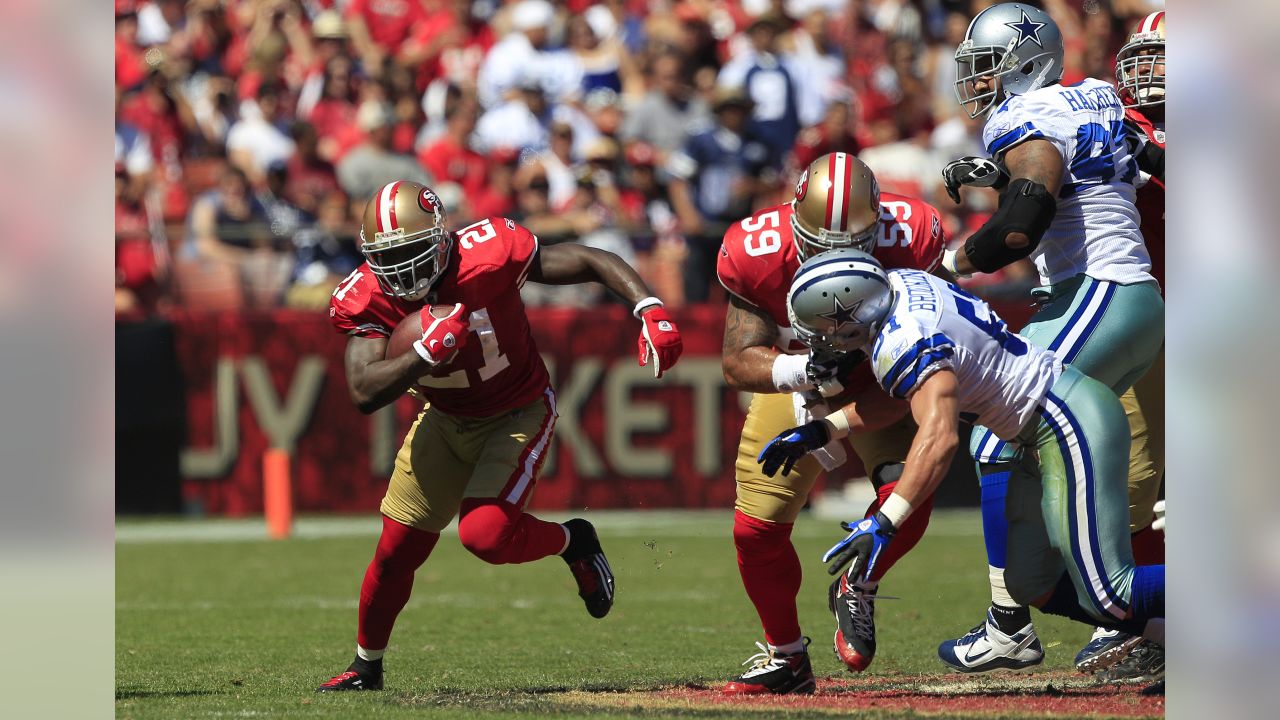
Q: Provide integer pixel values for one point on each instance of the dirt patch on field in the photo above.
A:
(1042, 695)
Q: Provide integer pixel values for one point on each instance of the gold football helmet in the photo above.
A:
(837, 205)
(404, 236)
(1140, 64)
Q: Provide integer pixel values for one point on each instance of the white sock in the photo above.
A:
(790, 648)
(369, 655)
(1154, 631)
(566, 540)
(999, 594)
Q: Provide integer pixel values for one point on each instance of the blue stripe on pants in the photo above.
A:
(1085, 549)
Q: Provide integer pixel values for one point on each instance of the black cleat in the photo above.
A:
(775, 673)
(855, 609)
(1143, 664)
(360, 675)
(590, 569)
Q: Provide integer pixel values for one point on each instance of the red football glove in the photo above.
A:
(659, 340)
(445, 336)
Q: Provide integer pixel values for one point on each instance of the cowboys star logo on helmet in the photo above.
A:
(1028, 29)
(843, 314)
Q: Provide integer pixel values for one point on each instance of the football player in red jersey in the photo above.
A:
(837, 204)
(476, 449)
(1140, 84)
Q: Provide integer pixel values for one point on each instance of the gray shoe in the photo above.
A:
(1145, 663)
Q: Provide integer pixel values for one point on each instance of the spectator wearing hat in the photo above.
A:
(371, 163)
(329, 34)
(256, 140)
(713, 184)
(515, 61)
(759, 70)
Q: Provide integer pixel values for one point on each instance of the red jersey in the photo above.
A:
(759, 256)
(499, 369)
(1151, 196)
(390, 22)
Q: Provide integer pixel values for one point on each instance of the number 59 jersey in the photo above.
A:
(759, 256)
(1095, 230)
(499, 369)
(935, 325)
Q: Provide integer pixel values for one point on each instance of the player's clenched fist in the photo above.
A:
(659, 340)
(445, 336)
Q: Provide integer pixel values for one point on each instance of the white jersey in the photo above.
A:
(935, 325)
(1095, 230)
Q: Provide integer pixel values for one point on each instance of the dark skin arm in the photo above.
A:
(374, 380)
(748, 352)
(1038, 161)
(571, 264)
(935, 406)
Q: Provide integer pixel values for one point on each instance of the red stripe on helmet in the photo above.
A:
(1151, 22)
(846, 188)
(831, 186)
(391, 205)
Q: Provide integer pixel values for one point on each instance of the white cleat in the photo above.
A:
(986, 648)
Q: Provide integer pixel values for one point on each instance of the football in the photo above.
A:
(411, 328)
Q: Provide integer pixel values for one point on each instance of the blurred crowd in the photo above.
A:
(250, 133)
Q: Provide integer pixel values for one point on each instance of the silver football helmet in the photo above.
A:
(1013, 49)
(839, 300)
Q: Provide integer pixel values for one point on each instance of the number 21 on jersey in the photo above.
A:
(494, 361)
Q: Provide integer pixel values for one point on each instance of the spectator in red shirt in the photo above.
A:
(833, 134)
(310, 177)
(451, 157)
(379, 27)
(131, 69)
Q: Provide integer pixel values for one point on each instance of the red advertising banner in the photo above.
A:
(264, 380)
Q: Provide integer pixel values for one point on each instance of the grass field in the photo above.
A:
(212, 621)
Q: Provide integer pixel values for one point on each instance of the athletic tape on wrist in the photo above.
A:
(897, 509)
(838, 424)
(790, 373)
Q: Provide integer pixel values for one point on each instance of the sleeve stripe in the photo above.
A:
(1026, 131)
(934, 359)
(529, 263)
(908, 359)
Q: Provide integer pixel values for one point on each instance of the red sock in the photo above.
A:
(389, 579)
(907, 536)
(1148, 546)
(500, 533)
(770, 572)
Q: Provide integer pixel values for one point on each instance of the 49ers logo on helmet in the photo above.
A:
(802, 185)
(429, 201)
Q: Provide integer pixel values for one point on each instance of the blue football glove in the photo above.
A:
(786, 450)
(866, 540)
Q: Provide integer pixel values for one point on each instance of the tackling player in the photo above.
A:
(1069, 205)
(837, 205)
(477, 448)
(1140, 84)
(947, 354)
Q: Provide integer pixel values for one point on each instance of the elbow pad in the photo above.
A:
(1026, 207)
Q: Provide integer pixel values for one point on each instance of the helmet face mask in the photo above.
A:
(410, 246)
(1011, 49)
(836, 206)
(838, 301)
(1140, 64)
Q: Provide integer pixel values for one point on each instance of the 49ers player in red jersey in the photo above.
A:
(837, 204)
(476, 449)
(1140, 84)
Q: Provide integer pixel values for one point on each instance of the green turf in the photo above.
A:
(235, 628)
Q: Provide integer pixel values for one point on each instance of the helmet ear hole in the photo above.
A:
(1027, 68)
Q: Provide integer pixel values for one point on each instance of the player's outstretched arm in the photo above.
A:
(872, 409)
(373, 381)
(570, 264)
(935, 406)
(1026, 209)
